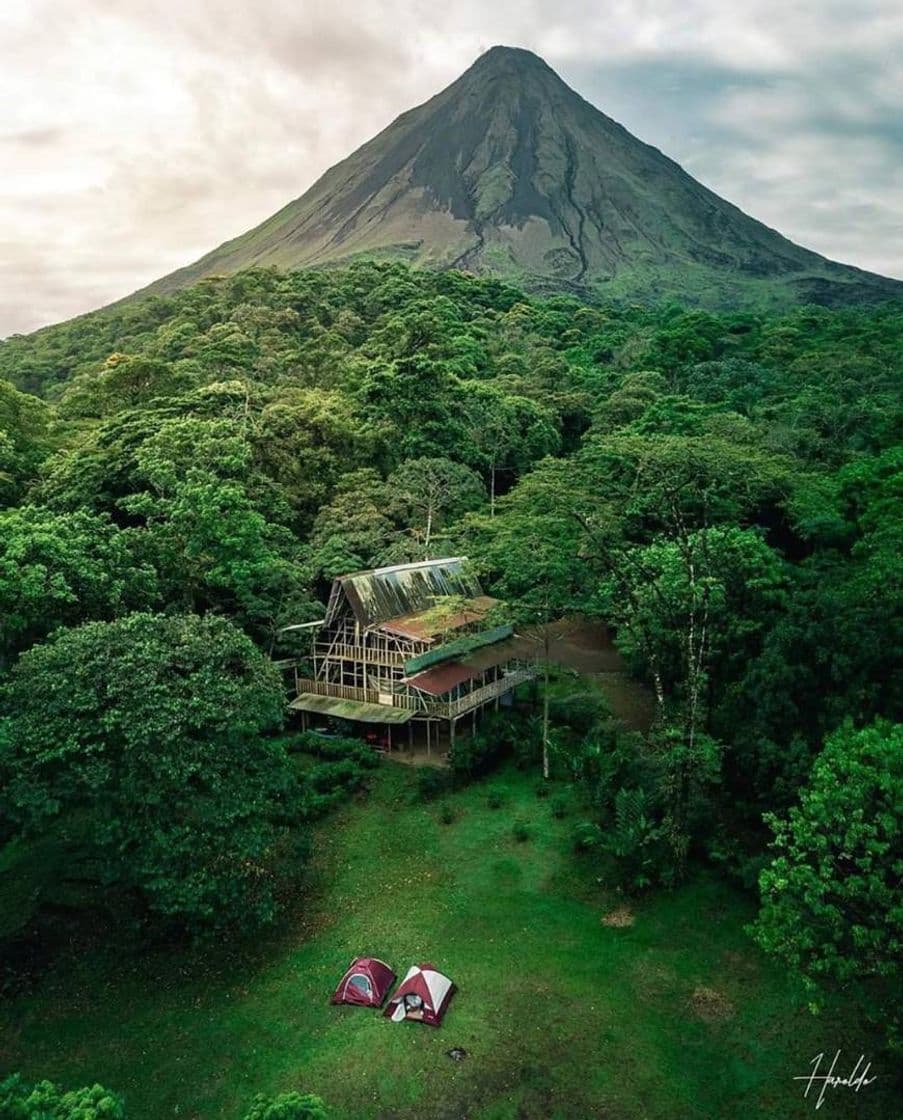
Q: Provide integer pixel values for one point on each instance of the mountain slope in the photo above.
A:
(509, 171)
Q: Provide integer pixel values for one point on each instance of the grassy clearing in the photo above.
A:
(673, 1016)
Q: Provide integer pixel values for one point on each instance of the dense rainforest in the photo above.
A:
(182, 476)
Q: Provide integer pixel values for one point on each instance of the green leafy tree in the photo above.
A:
(24, 441)
(354, 530)
(152, 726)
(58, 569)
(832, 899)
(507, 433)
(210, 525)
(531, 554)
(45, 1101)
(429, 492)
(287, 1106)
(124, 382)
(305, 440)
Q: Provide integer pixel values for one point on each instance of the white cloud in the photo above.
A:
(137, 134)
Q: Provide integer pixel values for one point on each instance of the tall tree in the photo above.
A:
(507, 433)
(58, 569)
(531, 556)
(832, 897)
(151, 728)
(426, 493)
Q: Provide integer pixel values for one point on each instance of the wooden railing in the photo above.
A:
(342, 691)
(487, 692)
(445, 710)
(363, 654)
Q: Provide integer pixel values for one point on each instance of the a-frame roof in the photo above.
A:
(381, 594)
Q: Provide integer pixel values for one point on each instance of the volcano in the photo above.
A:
(509, 172)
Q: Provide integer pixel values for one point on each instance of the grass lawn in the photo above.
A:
(562, 1015)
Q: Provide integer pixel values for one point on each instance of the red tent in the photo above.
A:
(423, 995)
(366, 982)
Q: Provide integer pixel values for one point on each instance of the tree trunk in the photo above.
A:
(545, 707)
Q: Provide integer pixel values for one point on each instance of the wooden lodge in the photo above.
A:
(410, 644)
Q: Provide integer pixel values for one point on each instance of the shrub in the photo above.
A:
(501, 734)
(522, 832)
(637, 843)
(587, 836)
(574, 709)
(559, 807)
(327, 785)
(495, 799)
(45, 1101)
(330, 776)
(287, 1106)
(431, 782)
(337, 750)
(447, 813)
(475, 755)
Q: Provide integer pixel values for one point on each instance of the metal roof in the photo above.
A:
(442, 679)
(401, 590)
(350, 709)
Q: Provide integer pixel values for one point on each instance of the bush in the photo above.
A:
(607, 759)
(637, 843)
(287, 1106)
(447, 813)
(45, 1101)
(559, 807)
(587, 836)
(574, 709)
(327, 785)
(522, 832)
(331, 776)
(501, 734)
(495, 799)
(475, 755)
(431, 782)
(736, 859)
(336, 750)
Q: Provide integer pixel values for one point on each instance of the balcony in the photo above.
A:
(410, 701)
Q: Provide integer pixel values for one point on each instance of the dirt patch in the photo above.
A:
(711, 1006)
(587, 647)
(620, 918)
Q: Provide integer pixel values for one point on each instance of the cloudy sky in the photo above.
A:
(137, 134)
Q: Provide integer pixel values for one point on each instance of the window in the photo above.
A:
(360, 984)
